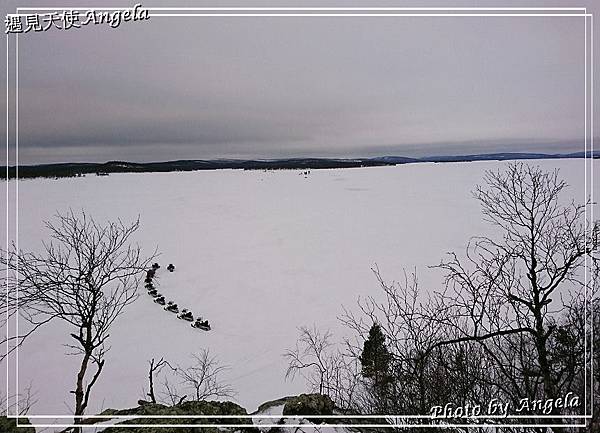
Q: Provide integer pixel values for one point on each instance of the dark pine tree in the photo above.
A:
(376, 365)
(375, 358)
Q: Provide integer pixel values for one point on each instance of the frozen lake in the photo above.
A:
(257, 253)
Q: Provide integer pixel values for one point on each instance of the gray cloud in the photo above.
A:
(174, 88)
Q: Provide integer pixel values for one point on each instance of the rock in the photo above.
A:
(271, 403)
(293, 406)
(309, 404)
(215, 408)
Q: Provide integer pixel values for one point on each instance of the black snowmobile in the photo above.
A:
(172, 307)
(160, 300)
(201, 324)
(171, 267)
(153, 293)
(186, 315)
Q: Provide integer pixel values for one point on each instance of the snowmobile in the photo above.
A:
(153, 292)
(186, 315)
(201, 324)
(160, 300)
(149, 286)
(171, 267)
(155, 266)
(171, 307)
(148, 280)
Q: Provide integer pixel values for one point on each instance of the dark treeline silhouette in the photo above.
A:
(77, 169)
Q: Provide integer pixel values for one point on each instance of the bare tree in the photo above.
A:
(421, 377)
(202, 378)
(327, 370)
(85, 277)
(19, 404)
(510, 320)
(309, 358)
(594, 357)
(14, 409)
(519, 290)
(171, 394)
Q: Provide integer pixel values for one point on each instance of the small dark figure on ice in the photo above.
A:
(155, 266)
(160, 300)
(171, 267)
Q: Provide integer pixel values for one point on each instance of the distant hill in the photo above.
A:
(79, 169)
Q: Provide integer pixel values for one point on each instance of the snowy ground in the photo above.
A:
(257, 253)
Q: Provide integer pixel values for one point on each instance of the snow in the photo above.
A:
(276, 410)
(289, 424)
(258, 254)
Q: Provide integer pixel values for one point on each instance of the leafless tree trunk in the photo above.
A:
(154, 369)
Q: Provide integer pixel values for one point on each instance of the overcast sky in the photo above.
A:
(203, 88)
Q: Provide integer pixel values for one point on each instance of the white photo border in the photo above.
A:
(319, 12)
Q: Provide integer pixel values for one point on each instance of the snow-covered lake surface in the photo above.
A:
(257, 253)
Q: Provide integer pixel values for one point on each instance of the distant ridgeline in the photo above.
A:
(103, 169)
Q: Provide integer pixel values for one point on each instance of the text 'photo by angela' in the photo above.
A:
(499, 409)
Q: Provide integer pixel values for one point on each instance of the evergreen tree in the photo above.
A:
(376, 366)
(375, 358)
